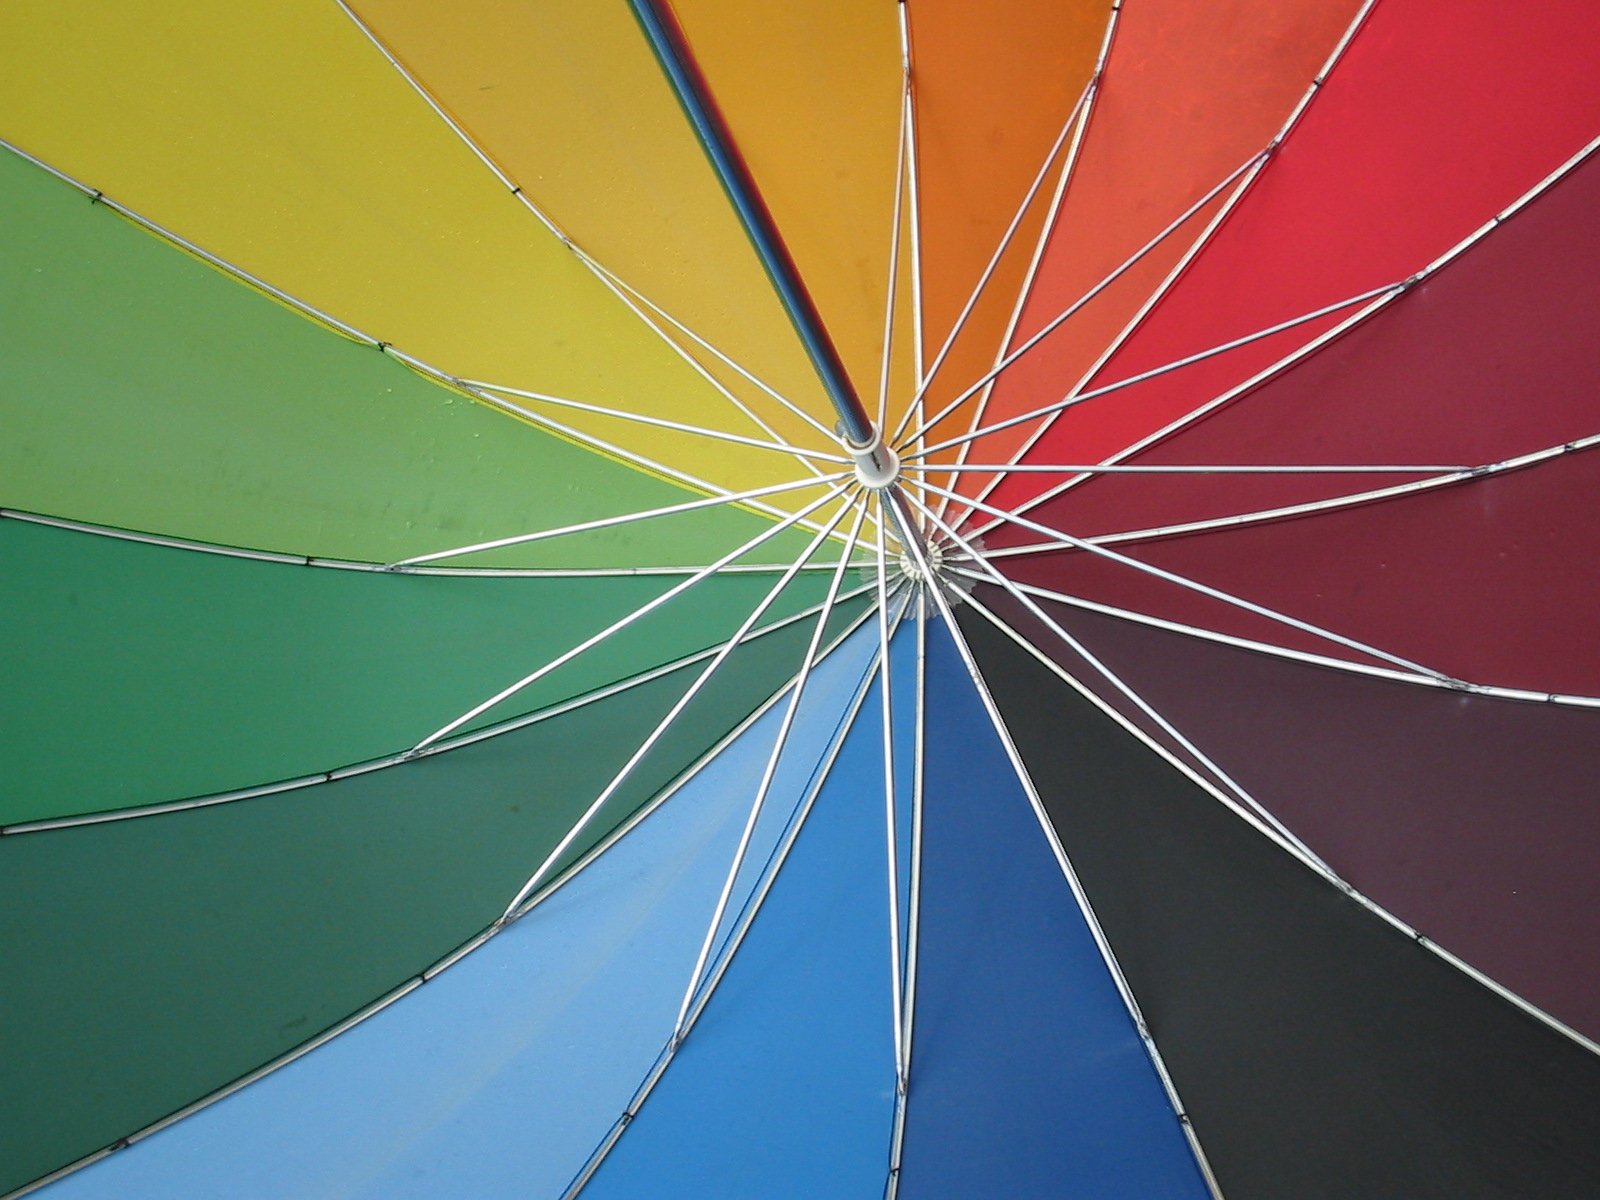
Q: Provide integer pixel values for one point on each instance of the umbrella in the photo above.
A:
(810, 600)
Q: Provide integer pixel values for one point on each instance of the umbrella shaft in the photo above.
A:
(666, 38)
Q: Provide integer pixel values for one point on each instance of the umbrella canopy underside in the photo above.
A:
(480, 722)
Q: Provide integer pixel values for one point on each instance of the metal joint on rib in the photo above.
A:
(1303, 656)
(1330, 503)
(914, 900)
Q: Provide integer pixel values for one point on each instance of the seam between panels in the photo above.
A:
(1069, 170)
(1069, 874)
(1326, 873)
(1355, 320)
(913, 904)
(522, 539)
(1011, 357)
(404, 567)
(1370, 302)
(566, 876)
(454, 956)
(100, 198)
(1064, 542)
(1327, 504)
(1205, 236)
(1252, 168)
(1194, 585)
(669, 44)
(776, 857)
(657, 602)
(800, 454)
(567, 433)
(746, 919)
(1074, 399)
(762, 794)
(1383, 298)
(890, 789)
(613, 283)
(1189, 747)
(900, 216)
(723, 653)
(1078, 123)
(1270, 152)
(1081, 115)
(913, 183)
(1301, 656)
(21, 828)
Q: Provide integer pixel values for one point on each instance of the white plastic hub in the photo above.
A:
(877, 465)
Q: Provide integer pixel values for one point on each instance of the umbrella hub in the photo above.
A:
(934, 553)
(955, 586)
(877, 465)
